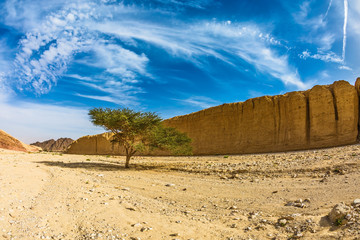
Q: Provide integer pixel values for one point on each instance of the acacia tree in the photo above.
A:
(140, 131)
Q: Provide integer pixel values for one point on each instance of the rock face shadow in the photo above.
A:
(96, 166)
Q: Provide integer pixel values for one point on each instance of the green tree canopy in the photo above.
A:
(140, 131)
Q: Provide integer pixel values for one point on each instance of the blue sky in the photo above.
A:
(59, 58)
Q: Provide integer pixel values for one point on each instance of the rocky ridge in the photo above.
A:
(54, 145)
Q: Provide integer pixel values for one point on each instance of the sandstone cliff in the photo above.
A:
(51, 145)
(11, 143)
(323, 116)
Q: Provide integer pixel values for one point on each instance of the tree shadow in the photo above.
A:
(96, 166)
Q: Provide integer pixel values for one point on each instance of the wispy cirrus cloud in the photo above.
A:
(324, 56)
(199, 101)
(110, 91)
(222, 40)
(328, 9)
(189, 3)
(303, 17)
(46, 51)
(343, 67)
(111, 33)
(325, 40)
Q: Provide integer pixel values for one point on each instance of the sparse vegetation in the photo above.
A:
(339, 221)
(140, 131)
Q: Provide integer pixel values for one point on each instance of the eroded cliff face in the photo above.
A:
(324, 116)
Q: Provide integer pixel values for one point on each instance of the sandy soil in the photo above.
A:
(264, 196)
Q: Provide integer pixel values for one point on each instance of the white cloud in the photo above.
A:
(113, 91)
(76, 76)
(118, 60)
(343, 67)
(201, 40)
(104, 98)
(46, 51)
(199, 101)
(302, 17)
(344, 28)
(188, 3)
(52, 42)
(323, 56)
(326, 41)
(328, 9)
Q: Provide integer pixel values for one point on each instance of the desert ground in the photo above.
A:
(260, 196)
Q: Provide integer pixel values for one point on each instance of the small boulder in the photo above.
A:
(338, 213)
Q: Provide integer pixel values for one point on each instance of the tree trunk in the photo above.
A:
(127, 161)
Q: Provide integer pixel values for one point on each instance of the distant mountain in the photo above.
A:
(54, 146)
(9, 142)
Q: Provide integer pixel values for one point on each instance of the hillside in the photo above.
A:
(54, 145)
(9, 142)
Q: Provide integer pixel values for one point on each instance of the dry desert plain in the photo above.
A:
(260, 196)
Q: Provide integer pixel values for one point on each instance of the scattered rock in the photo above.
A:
(144, 229)
(282, 222)
(299, 203)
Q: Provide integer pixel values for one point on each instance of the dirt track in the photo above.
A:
(53, 196)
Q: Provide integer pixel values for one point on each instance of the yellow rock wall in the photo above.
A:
(324, 116)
